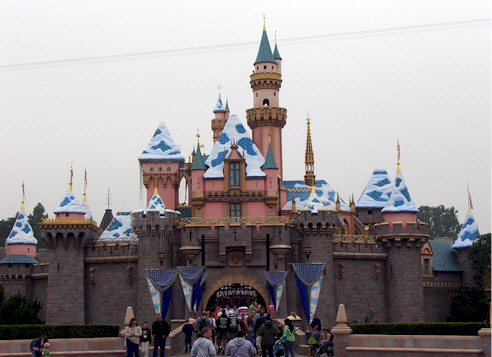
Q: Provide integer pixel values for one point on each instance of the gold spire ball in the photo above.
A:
(309, 177)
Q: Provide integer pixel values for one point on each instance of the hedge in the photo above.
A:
(15, 332)
(419, 328)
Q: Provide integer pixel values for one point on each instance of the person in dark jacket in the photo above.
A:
(240, 346)
(223, 324)
(188, 330)
(160, 331)
(267, 331)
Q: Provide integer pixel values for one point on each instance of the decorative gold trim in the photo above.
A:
(359, 255)
(112, 259)
(223, 221)
(353, 238)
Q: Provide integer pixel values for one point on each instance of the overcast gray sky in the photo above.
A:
(368, 73)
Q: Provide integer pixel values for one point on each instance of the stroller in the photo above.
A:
(278, 348)
(318, 350)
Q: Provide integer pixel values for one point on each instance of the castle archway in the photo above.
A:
(237, 283)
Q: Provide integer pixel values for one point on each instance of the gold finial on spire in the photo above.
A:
(71, 177)
(23, 196)
(264, 22)
(275, 36)
(84, 197)
(293, 201)
(313, 190)
(269, 138)
(219, 87)
(309, 177)
(398, 156)
(198, 136)
(156, 192)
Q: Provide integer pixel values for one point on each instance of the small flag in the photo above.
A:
(23, 192)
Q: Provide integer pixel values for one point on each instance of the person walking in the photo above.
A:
(289, 338)
(132, 334)
(267, 331)
(223, 325)
(240, 346)
(145, 339)
(188, 330)
(203, 346)
(37, 346)
(160, 331)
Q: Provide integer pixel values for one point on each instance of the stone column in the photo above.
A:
(341, 333)
(485, 341)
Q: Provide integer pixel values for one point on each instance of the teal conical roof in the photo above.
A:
(269, 160)
(265, 51)
(227, 106)
(199, 161)
(276, 54)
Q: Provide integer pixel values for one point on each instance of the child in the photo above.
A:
(145, 339)
(188, 330)
(46, 349)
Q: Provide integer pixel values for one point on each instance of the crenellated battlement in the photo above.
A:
(323, 222)
(412, 233)
(152, 221)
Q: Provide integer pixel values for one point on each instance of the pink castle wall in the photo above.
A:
(22, 249)
(214, 185)
(213, 209)
(255, 184)
(256, 209)
(69, 215)
(400, 217)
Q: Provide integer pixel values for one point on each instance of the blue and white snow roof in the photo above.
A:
(324, 198)
(234, 130)
(70, 204)
(85, 207)
(119, 228)
(377, 192)
(162, 146)
(400, 200)
(469, 232)
(156, 204)
(22, 232)
(219, 107)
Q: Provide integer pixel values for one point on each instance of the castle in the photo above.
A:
(244, 221)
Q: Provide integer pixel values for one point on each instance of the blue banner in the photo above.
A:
(308, 280)
(276, 285)
(192, 282)
(161, 282)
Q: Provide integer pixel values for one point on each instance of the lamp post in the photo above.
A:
(161, 257)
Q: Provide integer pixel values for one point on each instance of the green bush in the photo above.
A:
(419, 328)
(17, 332)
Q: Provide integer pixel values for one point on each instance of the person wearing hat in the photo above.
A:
(267, 331)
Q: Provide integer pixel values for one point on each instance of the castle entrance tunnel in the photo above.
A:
(234, 294)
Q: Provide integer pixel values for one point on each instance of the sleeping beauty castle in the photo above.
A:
(246, 233)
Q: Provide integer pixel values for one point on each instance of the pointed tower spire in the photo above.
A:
(84, 197)
(71, 177)
(227, 105)
(309, 177)
(398, 156)
(265, 51)
(23, 196)
(470, 204)
(293, 202)
(270, 159)
(469, 230)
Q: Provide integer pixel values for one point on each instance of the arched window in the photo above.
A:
(266, 102)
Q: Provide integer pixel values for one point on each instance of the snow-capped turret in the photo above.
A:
(162, 147)
(21, 241)
(219, 107)
(469, 231)
(69, 207)
(377, 191)
(221, 115)
(400, 200)
(156, 204)
(120, 228)
(234, 130)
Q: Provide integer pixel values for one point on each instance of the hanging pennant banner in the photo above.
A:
(198, 291)
(190, 278)
(276, 285)
(308, 279)
(161, 281)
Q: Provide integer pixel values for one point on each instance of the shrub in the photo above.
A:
(14, 332)
(419, 328)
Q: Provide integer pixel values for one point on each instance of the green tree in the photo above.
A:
(38, 213)
(443, 221)
(5, 228)
(16, 310)
(479, 254)
(469, 305)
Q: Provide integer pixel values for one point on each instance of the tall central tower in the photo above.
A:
(266, 119)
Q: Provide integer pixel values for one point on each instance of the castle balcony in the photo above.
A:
(412, 233)
(266, 116)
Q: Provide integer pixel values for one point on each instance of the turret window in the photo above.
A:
(266, 102)
(234, 172)
(264, 67)
(235, 209)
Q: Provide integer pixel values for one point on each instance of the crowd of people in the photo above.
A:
(139, 338)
